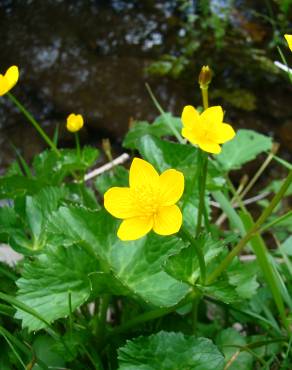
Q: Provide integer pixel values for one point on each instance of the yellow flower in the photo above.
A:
(207, 130)
(148, 203)
(74, 122)
(289, 40)
(8, 80)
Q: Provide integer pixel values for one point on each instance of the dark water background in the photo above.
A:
(89, 57)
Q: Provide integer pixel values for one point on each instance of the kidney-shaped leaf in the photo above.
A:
(165, 351)
(245, 146)
(46, 283)
(136, 264)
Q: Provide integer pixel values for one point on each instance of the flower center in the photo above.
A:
(147, 200)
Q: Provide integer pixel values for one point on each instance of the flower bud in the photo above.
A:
(74, 122)
(205, 77)
(106, 146)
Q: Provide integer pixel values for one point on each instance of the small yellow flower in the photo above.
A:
(207, 130)
(289, 40)
(74, 122)
(8, 80)
(148, 203)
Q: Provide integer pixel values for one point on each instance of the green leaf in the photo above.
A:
(222, 291)
(80, 194)
(287, 246)
(32, 236)
(15, 186)
(47, 281)
(165, 351)
(237, 284)
(39, 208)
(183, 157)
(226, 341)
(245, 146)
(184, 266)
(52, 169)
(9, 222)
(134, 265)
(244, 277)
(117, 177)
(158, 129)
(44, 349)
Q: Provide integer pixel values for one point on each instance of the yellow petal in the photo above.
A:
(192, 135)
(119, 202)
(171, 187)
(168, 220)
(143, 175)
(213, 115)
(135, 228)
(4, 87)
(210, 146)
(223, 133)
(289, 40)
(189, 116)
(12, 75)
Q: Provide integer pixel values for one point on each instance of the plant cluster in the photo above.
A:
(159, 267)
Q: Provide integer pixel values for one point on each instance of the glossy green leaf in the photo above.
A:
(165, 351)
(183, 157)
(45, 284)
(243, 276)
(158, 128)
(15, 186)
(136, 265)
(52, 169)
(44, 349)
(184, 266)
(245, 146)
(238, 283)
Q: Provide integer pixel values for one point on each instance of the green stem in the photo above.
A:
(35, 124)
(202, 187)
(266, 213)
(205, 97)
(77, 144)
(276, 221)
(185, 235)
(170, 125)
(70, 313)
(195, 307)
(101, 319)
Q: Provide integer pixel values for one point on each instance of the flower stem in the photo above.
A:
(101, 315)
(35, 124)
(202, 187)
(77, 144)
(255, 229)
(204, 90)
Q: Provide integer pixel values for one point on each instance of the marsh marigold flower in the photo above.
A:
(8, 80)
(74, 122)
(207, 130)
(148, 203)
(289, 40)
